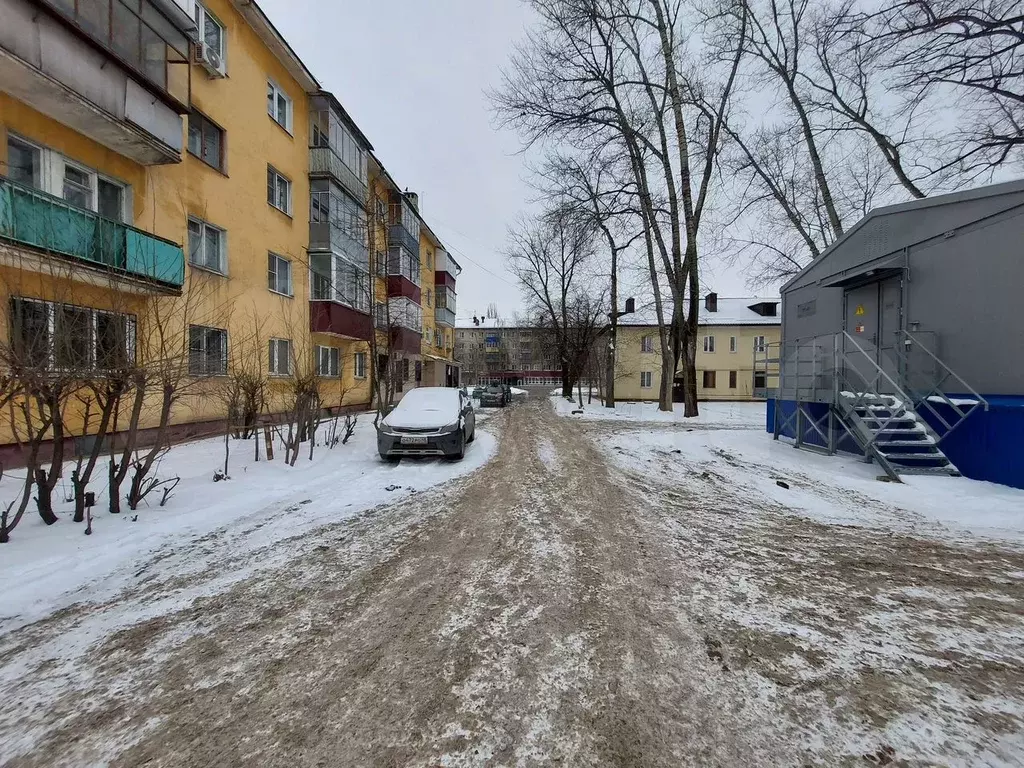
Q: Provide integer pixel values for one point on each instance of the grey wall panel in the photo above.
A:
(967, 290)
(811, 311)
(151, 115)
(69, 60)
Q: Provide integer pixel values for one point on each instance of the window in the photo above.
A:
(646, 343)
(279, 191)
(646, 379)
(709, 379)
(334, 278)
(759, 344)
(211, 32)
(328, 361)
(47, 335)
(280, 357)
(77, 188)
(760, 380)
(404, 264)
(359, 367)
(709, 343)
(430, 298)
(205, 140)
(279, 274)
(109, 199)
(732, 379)
(430, 261)
(207, 351)
(24, 163)
(207, 246)
(279, 106)
(732, 343)
(72, 337)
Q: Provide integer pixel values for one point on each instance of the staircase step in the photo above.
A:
(949, 469)
(924, 441)
(916, 457)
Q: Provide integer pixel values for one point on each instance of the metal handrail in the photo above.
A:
(949, 371)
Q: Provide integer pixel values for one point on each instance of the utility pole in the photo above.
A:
(613, 327)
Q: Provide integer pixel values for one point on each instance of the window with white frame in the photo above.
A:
(207, 246)
(709, 343)
(279, 191)
(211, 32)
(404, 264)
(80, 186)
(328, 362)
(279, 274)
(207, 351)
(760, 344)
(646, 343)
(67, 337)
(359, 365)
(732, 343)
(280, 363)
(279, 106)
(646, 379)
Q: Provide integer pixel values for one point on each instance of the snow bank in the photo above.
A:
(261, 504)
(724, 414)
(832, 489)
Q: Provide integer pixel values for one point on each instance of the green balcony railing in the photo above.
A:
(50, 224)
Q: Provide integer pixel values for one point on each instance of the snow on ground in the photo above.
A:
(263, 502)
(884, 617)
(724, 414)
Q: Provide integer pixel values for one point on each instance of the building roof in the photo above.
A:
(731, 311)
(485, 322)
(888, 230)
(275, 41)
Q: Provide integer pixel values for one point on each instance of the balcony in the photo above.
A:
(323, 161)
(444, 316)
(125, 84)
(446, 269)
(399, 235)
(90, 248)
(339, 320)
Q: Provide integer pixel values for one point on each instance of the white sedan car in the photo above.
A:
(428, 421)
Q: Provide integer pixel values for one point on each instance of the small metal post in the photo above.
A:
(799, 425)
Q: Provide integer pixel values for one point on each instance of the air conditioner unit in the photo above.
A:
(209, 59)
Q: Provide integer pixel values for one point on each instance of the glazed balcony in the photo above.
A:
(63, 240)
(325, 162)
(119, 75)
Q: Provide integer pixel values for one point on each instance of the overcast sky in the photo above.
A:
(414, 80)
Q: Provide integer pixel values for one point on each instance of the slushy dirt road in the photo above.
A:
(542, 611)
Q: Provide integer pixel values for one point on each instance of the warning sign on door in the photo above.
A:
(859, 310)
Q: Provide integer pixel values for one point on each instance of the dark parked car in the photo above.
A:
(494, 397)
(477, 391)
(428, 421)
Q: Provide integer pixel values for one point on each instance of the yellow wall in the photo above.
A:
(234, 200)
(630, 361)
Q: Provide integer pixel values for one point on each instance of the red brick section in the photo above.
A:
(329, 317)
(406, 340)
(402, 286)
(446, 279)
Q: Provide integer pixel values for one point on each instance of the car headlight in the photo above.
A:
(454, 427)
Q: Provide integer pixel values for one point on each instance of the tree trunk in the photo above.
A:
(566, 384)
(609, 387)
(43, 498)
(114, 503)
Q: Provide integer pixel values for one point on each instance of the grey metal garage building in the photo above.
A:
(904, 341)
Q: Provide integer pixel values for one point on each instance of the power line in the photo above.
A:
(468, 258)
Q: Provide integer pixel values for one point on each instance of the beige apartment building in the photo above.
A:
(732, 333)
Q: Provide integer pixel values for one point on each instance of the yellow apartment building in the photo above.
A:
(731, 332)
(175, 185)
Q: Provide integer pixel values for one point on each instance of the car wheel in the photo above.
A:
(461, 452)
(472, 435)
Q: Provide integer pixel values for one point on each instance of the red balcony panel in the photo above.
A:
(405, 340)
(446, 279)
(329, 317)
(403, 286)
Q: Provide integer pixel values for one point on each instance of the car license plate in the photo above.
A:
(414, 441)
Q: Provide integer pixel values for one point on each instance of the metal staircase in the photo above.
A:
(877, 401)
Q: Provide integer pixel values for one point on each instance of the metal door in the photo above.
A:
(890, 293)
(861, 322)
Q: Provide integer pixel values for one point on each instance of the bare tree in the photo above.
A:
(550, 257)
